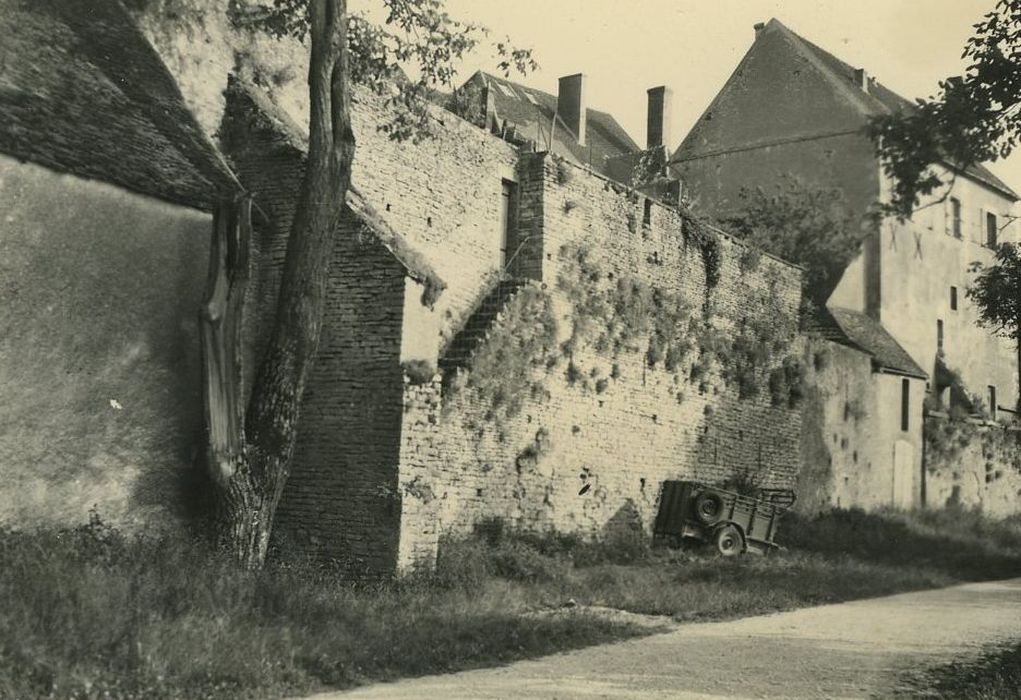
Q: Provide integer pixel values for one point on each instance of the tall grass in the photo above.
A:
(91, 614)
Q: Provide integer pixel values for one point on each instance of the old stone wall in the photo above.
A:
(620, 369)
(852, 446)
(340, 500)
(973, 464)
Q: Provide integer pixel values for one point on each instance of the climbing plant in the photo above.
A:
(509, 366)
(623, 314)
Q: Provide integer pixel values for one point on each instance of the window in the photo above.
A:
(955, 217)
(953, 298)
(992, 402)
(905, 404)
(506, 90)
(939, 334)
(991, 229)
(647, 214)
(508, 215)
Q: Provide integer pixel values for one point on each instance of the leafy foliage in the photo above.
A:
(627, 315)
(507, 368)
(416, 35)
(803, 224)
(975, 117)
(996, 291)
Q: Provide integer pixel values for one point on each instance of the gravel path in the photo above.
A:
(865, 648)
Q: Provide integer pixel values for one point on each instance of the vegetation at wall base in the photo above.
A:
(90, 613)
(993, 676)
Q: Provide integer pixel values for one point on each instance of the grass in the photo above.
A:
(89, 614)
(994, 676)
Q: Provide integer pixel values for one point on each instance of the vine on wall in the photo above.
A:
(627, 315)
(507, 368)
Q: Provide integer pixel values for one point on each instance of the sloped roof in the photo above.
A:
(83, 92)
(532, 111)
(862, 332)
(271, 117)
(879, 99)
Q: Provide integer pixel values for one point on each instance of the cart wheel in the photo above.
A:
(709, 507)
(729, 541)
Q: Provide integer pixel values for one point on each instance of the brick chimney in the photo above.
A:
(572, 105)
(758, 27)
(657, 123)
(861, 79)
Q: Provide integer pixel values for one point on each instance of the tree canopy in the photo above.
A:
(996, 291)
(801, 223)
(974, 117)
(407, 56)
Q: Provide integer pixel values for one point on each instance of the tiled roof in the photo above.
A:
(880, 99)
(862, 332)
(82, 91)
(531, 112)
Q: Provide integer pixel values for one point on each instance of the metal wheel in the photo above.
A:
(728, 540)
(709, 507)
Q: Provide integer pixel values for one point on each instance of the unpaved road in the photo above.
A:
(865, 648)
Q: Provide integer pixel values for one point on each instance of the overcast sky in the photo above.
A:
(693, 46)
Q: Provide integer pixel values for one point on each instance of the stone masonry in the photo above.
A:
(390, 460)
(588, 458)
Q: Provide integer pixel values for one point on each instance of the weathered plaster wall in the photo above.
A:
(851, 430)
(99, 374)
(590, 453)
(972, 464)
(921, 260)
(777, 113)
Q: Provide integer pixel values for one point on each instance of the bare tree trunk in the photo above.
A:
(250, 460)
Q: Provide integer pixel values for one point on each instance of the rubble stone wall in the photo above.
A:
(599, 431)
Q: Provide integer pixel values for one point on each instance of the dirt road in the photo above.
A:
(865, 648)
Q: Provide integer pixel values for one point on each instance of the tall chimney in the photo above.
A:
(758, 27)
(657, 123)
(861, 79)
(571, 104)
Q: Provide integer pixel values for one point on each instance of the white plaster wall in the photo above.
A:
(921, 260)
(100, 400)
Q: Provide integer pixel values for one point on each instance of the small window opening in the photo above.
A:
(939, 334)
(508, 216)
(953, 298)
(992, 402)
(905, 404)
(647, 214)
(955, 216)
(991, 230)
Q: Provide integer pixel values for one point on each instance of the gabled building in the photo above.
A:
(107, 187)
(790, 107)
(563, 123)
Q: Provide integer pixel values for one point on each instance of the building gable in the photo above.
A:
(83, 92)
(779, 93)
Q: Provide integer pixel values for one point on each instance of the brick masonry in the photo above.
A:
(388, 463)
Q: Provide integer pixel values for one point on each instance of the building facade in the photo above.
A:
(792, 108)
(107, 186)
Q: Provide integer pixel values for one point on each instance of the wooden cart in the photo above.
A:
(733, 523)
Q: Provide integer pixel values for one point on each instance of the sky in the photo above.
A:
(693, 46)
